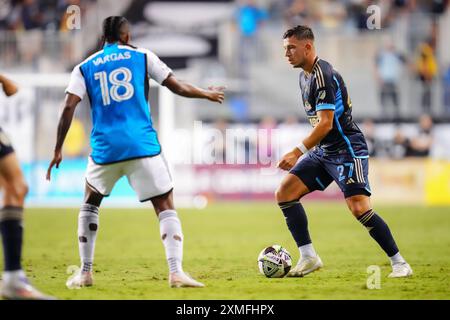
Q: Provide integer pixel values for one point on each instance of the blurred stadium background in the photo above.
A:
(398, 77)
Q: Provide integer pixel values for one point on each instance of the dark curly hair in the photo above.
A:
(112, 28)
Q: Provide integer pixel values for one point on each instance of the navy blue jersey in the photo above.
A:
(324, 89)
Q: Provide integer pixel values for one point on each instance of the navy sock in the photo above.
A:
(12, 232)
(296, 221)
(379, 230)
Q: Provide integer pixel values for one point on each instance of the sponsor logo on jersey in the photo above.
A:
(308, 106)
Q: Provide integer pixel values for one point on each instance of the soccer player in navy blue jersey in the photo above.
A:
(123, 140)
(335, 150)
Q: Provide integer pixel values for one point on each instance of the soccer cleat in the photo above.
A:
(182, 280)
(22, 290)
(80, 279)
(401, 270)
(305, 266)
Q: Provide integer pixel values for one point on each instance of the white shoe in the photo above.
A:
(305, 266)
(22, 290)
(401, 270)
(80, 279)
(182, 280)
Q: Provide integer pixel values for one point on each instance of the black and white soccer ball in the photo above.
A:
(274, 261)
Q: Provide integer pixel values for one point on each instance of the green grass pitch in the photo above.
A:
(221, 246)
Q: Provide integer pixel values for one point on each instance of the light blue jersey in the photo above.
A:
(116, 79)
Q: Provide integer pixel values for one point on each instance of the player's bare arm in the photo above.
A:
(8, 86)
(188, 90)
(317, 134)
(65, 121)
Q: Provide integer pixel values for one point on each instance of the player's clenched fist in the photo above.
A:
(289, 159)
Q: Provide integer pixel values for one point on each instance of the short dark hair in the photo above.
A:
(300, 32)
(111, 28)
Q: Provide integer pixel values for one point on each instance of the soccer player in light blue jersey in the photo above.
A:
(123, 140)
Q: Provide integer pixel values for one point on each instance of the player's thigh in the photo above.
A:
(102, 178)
(149, 177)
(311, 172)
(11, 176)
(291, 188)
(306, 176)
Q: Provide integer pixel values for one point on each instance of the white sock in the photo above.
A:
(87, 233)
(397, 258)
(307, 251)
(10, 277)
(172, 238)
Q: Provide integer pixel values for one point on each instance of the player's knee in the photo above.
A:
(21, 190)
(17, 190)
(357, 208)
(279, 194)
(283, 195)
(24, 189)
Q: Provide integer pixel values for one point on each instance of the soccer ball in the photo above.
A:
(274, 261)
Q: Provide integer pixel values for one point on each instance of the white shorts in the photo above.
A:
(149, 177)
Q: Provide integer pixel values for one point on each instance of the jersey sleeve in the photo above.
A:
(157, 70)
(77, 85)
(325, 93)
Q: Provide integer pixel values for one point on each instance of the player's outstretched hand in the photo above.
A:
(216, 94)
(57, 158)
(289, 160)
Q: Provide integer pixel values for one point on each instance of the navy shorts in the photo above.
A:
(5, 145)
(317, 171)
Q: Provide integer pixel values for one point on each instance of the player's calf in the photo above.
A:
(380, 232)
(88, 222)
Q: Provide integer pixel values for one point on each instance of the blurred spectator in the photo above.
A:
(5, 13)
(447, 90)
(27, 15)
(438, 7)
(332, 13)
(389, 64)
(399, 147)
(426, 70)
(420, 145)
(300, 12)
(249, 18)
(369, 133)
(358, 13)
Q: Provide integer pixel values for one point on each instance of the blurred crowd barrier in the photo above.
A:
(414, 181)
